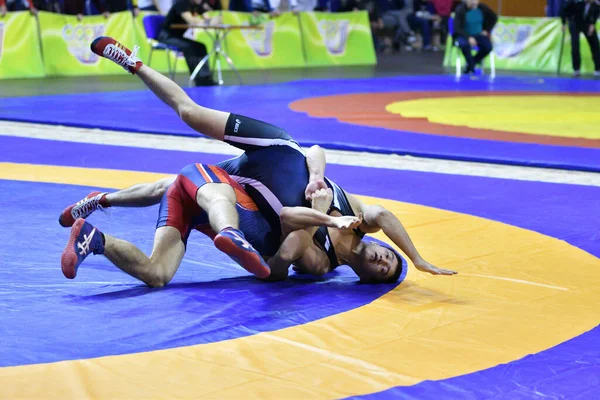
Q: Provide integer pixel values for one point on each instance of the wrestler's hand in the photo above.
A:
(321, 200)
(347, 222)
(424, 266)
(313, 186)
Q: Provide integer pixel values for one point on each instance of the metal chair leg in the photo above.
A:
(168, 61)
(175, 66)
(230, 62)
(150, 56)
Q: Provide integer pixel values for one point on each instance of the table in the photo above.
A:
(218, 35)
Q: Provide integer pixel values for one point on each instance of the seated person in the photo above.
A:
(473, 24)
(187, 12)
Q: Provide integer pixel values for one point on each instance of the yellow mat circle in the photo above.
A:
(518, 292)
(564, 116)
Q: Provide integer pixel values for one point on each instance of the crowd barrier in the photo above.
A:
(531, 44)
(59, 45)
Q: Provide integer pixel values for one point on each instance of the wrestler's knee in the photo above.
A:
(158, 279)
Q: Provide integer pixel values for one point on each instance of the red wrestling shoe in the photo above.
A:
(233, 243)
(83, 208)
(108, 47)
(84, 240)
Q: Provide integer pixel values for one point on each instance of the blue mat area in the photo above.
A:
(140, 111)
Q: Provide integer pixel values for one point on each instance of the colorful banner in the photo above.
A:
(277, 44)
(530, 44)
(337, 39)
(20, 52)
(66, 42)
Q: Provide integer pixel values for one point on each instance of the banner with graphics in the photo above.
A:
(529, 44)
(337, 38)
(20, 52)
(276, 45)
(66, 42)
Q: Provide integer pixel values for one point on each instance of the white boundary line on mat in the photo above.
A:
(387, 161)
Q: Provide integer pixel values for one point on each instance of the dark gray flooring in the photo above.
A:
(405, 63)
(390, 64)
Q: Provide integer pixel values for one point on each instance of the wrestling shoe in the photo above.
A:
(108, 47)
(83, 208)
(84, 239)
(233, 243)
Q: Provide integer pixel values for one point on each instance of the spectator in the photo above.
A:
(186, 12)
(401, 16)
(442, 8)
(421, 20)
(16, 5)
(582, 16)
(251, 6)
(77, 7)
(473, 24)
(395, 15)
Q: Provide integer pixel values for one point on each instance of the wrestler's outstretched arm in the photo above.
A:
(376, 218)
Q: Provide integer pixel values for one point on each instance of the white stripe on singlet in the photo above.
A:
(263, 190)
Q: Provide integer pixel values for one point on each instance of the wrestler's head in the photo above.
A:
(378, 264)
(472, 3)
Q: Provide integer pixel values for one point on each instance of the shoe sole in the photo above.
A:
(248, 260)
(68, 260)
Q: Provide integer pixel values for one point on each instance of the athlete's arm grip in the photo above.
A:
(297, 218)
(315, 162)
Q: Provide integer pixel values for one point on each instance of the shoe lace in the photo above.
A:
(120, 56)
(86, 206)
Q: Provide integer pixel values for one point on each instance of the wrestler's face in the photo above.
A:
(378, 263)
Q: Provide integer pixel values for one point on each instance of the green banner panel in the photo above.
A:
(337, 39)
(277, 45)
(20, 52)
(66, 42)
(530, 44)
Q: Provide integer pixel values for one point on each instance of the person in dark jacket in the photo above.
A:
(473, 24)
(582, 16)
(187, 12)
